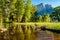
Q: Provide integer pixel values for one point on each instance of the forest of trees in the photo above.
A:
(23, 11)
(56, 14)
(17, 11)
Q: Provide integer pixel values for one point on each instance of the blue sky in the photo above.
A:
(54, 3)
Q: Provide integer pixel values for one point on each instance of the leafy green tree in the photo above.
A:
(40, 19)
(56, 13)
(12, 10)
(28, 11)
(34, 14)
(4, 8)
(1, 19)
(34, 9)
(46, 18)
(20, 9)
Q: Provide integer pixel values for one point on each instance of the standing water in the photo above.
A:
(27, 33)
(46, 35)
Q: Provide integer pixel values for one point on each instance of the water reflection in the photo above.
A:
(56, 36)
(23, 32)
(47, 35)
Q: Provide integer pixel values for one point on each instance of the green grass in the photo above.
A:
(47, 24)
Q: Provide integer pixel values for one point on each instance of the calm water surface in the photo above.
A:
(46, 35)
(39, 35)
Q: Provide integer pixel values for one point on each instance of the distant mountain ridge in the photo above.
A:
(44, 9)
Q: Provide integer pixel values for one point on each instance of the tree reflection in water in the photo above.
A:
(25, 32)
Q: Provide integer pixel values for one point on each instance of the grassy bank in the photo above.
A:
(47, 24)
